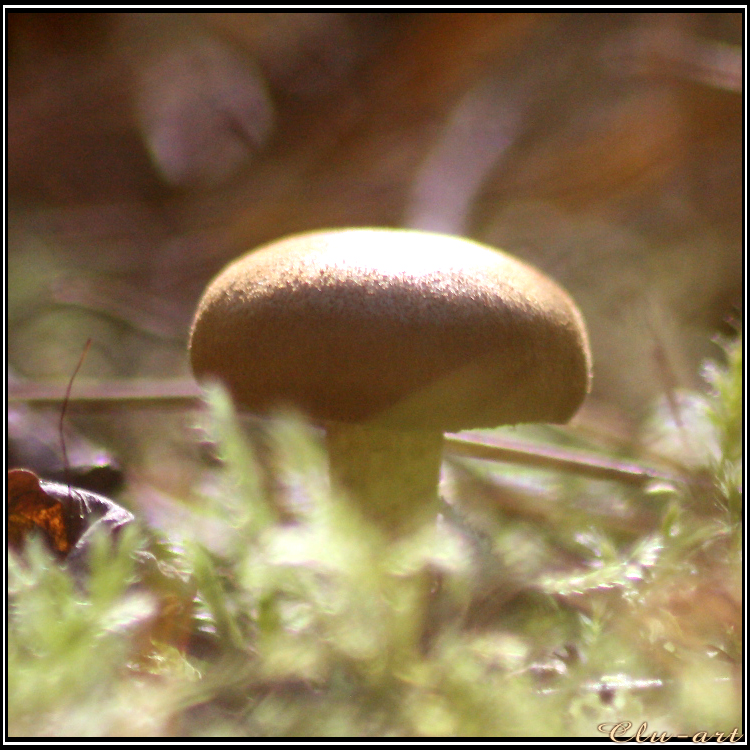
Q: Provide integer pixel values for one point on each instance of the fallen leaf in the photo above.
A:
(30, 509)
(65, 516)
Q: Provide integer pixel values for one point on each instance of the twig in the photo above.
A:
(592, 465)
(112, 394)
(182, 393)
(66, 400)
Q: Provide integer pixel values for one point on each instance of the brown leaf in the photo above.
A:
(30, 508)
(66, 516)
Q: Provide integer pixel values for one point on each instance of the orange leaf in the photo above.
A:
(30, 509)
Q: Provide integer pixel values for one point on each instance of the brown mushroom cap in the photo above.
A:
(395, 327)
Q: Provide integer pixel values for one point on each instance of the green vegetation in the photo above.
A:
(607, 605)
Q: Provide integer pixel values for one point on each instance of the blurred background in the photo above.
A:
(145, 151)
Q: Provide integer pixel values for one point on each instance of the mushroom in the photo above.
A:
(390, 338)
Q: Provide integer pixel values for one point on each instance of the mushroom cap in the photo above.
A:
(401, 328)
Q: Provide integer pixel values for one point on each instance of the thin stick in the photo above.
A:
(111, 394)
(66, 468)
(181, 393)
(592, 465)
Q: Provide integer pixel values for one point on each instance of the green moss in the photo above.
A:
(308, 622)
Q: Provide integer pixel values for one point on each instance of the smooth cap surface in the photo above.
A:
(398, 327)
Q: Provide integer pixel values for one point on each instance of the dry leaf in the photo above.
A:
(66, 516)
(30, 508)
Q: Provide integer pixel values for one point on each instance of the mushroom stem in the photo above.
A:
(390, 475)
